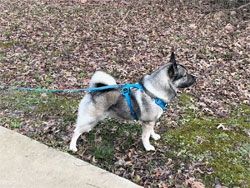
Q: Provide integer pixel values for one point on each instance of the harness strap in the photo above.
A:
(125, 92)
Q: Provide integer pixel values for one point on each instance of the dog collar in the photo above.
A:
(125, 92)
(160, 103)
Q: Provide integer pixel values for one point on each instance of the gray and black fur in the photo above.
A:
(97, 105)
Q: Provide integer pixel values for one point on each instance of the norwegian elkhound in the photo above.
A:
(161, 84)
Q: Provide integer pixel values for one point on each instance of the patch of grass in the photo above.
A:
(15, 124)
(81, 74)
(225, 150)
(120, 12)
(180, 38)
(6, 44)
(57, 106)
(228, 54)
(103, 150)
(49, 80)
(107, 134)
(18, 100)
(43, 104)
(11, 121)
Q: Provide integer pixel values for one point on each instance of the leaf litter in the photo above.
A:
(60, 44)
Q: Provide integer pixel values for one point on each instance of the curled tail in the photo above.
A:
(101, 79)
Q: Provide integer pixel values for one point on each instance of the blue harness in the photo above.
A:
(125, 92)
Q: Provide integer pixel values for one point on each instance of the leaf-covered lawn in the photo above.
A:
(61, 43)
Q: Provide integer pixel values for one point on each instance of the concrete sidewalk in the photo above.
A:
(25, 163)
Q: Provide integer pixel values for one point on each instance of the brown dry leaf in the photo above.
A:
(229, 27)
(193, 26)
(199, 170)
(193, 183)
(83, 1)
(128, 163)
(169, 161)
(130, 154)
(197, 185)
(164, 185)
(137, 178)
(157, 172)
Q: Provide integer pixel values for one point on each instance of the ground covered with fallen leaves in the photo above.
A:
(61, 43)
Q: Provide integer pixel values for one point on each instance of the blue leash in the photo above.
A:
(125, 92)
(86, 89)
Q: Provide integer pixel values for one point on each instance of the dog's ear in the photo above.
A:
(172, 58)
(173, 67)
(171, 71)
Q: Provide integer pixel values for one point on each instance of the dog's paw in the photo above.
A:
(149, 148)
(73, 148)
(156, 136)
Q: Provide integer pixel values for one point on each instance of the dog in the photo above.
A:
(98, 105)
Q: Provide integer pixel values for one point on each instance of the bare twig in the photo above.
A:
(242, 6)
(215, 10)
(123, 19)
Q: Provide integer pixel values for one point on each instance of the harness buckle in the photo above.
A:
(125, 91)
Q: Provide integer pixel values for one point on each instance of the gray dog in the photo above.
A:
(161, 85)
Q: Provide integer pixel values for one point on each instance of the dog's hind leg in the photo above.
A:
(85, 120)
(80, 128)
(147, 129)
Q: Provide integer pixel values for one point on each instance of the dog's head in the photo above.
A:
(164, 82)
(179, 75)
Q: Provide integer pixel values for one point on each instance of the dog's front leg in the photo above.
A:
(154, 135)
(147, 130)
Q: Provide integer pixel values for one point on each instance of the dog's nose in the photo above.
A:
(195, 77)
